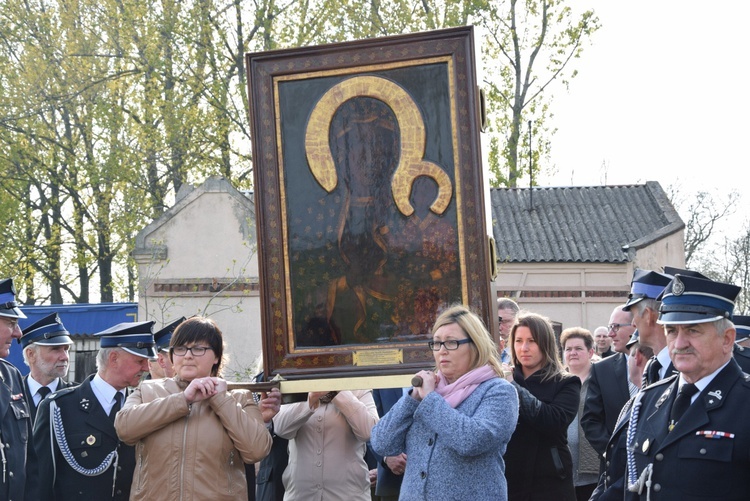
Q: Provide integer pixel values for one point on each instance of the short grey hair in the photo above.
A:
(506, 303)
(102, 357)
(644, 303)
(31, 346)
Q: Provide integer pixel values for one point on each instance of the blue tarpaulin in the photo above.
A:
(78, 319)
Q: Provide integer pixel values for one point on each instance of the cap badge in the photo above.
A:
(678, 288)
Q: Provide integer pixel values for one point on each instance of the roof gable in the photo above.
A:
(597, 224)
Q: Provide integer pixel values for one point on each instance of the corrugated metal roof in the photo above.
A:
(597, 224)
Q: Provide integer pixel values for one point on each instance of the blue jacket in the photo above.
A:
(452, 454)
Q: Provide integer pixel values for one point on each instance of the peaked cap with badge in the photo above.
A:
(49, 331)
(134, 337)
(670, 458)
(164, 336)
(8, 304)
(693, 300)
(646, 284)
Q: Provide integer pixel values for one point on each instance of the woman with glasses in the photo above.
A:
(455, 425)
(192, 435)
(540, 466)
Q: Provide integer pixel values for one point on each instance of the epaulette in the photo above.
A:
(661, 382)
(61, 393)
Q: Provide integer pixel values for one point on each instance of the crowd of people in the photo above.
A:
(649, 407)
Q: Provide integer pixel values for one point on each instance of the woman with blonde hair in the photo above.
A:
(540, 466)
(457, 423)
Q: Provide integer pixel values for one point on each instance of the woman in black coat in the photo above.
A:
(538, 461)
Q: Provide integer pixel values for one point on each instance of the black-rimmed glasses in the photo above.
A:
(196, 351)
(450, 344)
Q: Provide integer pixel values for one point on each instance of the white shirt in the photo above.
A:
(34, 386)
(664, 360)
(105, 393)
(702, 383)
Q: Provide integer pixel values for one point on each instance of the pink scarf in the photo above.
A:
(459, 390)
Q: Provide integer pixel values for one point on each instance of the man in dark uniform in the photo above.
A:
(19, 479)
(688, 437)
(45, 350)
(742, 343)
(85, 460)
(645, 287)
(162, 366)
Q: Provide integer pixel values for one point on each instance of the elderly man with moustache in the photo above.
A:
(688, 436)
(45, 350)
(79, 453)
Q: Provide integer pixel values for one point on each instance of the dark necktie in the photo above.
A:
(117, 406)
(681, 403)
(653, 371)
(43, 392)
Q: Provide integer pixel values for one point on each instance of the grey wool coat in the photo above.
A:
(452, 454)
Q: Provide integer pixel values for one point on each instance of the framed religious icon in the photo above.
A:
(370, 200)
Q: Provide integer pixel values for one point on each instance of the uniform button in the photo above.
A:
(318, 463)
(10, 474)
(659, 457)
(657, 487)
(607, 464)
(609, 479)
(119, 468)
(319, 451)
(320, 418)
(423, 474)
(702, 451)
(318, 486)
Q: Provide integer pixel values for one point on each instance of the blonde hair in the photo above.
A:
(483, 348)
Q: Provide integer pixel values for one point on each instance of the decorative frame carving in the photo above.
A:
(369, 200)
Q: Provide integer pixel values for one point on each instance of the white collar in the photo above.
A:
(105, 392)
(703, 382)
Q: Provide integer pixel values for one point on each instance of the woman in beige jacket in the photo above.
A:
(327, 441)
(192, 436)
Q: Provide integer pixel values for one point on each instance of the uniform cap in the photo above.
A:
(646, 284)
(8, 305)
(742, 325)
(164, 336)
(691, 300)
(49, 331)
(634, 338)
(134, 337)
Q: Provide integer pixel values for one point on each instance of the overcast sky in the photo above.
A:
(661, 95)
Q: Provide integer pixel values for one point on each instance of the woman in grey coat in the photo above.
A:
(454, 427)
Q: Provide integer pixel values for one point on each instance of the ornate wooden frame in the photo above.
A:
(369, 200)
